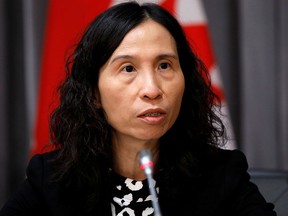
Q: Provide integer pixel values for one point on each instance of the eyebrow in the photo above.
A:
(161, 56)
(167, 55)
(121, 57)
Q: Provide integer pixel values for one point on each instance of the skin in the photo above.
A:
(140, 89)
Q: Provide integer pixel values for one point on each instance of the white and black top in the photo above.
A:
(130, 197)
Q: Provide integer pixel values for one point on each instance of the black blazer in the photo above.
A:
(221, 188)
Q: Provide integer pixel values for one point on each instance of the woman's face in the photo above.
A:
(142, 84)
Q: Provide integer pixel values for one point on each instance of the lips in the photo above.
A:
(153, 112)
(153, 116)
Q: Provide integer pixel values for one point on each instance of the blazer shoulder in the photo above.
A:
(228, 168)
(226, 174)
(234, 159)
(39, 168)
(28, 199)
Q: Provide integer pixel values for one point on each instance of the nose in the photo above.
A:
(150, 88)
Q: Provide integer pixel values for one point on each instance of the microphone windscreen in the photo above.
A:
(145, 160)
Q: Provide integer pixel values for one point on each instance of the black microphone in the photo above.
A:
(146, 164)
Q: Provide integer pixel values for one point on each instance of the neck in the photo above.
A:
(126, 158)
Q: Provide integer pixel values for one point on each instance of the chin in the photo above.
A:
(152, 136)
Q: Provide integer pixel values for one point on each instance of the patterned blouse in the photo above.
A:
(131, 197)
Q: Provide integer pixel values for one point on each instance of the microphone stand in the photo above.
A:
(146, 164)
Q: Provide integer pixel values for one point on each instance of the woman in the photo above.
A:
(133, 83)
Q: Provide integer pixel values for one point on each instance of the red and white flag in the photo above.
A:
(65, 22)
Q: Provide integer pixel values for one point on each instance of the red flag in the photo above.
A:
(66, 20)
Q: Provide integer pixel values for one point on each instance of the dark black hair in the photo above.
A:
(79, 128)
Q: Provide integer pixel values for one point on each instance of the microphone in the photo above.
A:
(146, 164)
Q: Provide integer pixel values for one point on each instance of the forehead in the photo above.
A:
(147, 35)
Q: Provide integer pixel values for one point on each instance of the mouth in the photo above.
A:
(152, 113)
(153, 116)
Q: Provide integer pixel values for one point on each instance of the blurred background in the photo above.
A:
(249, 40)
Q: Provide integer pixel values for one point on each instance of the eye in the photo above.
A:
(164, 66)
(128, 68)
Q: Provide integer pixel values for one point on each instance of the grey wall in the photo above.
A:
(283, 80)
(3, 108)
(13, 117)
(15, 130)
(250, 41)
(258, 41)
(263, 45)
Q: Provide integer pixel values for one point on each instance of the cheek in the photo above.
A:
(176, 100)
(177, 90)
(108, 98)
(112, 101)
